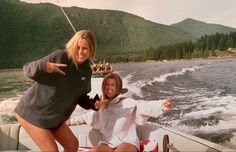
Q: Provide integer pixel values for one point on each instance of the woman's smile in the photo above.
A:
(110, 88)
(83, 52)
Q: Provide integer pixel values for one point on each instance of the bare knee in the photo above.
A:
(48, 147)
(102, 147)
(126, 147)
(73, 146)
(66, 138)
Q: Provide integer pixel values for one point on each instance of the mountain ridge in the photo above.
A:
(199, 28)
(38, 29)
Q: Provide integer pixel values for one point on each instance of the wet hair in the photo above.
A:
(72, 44)
(119, 86)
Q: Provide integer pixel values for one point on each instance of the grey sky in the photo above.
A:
(164, 11)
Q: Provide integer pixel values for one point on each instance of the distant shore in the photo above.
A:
(232, 56)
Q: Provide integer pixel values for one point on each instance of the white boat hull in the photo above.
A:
(14, 137)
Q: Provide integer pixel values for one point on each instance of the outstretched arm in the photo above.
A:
(85, 118)
(153, 108)
(146, 109)
(90, 117)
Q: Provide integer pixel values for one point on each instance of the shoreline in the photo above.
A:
(152, 61)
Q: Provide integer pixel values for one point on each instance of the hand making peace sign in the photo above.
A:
(55, 67)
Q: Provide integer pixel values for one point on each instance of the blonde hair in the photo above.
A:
(72, 44)
(119, 86)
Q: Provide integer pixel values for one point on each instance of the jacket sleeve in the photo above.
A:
(36, 70)
(146, 109)
(85, 118)
(90, 117)
(86, 102)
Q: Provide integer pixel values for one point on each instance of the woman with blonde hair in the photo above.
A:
(118, 116)
(62, 80)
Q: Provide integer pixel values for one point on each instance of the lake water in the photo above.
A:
(203, 92)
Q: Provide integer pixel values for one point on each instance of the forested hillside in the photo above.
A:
(29, 31)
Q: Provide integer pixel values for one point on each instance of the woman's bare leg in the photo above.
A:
(66, 138)
(42, 137)
(126, 147)
(102, 147)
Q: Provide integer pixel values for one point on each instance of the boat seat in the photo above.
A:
(148, 131)
(9, 136)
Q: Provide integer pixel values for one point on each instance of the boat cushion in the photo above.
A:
(148, 145)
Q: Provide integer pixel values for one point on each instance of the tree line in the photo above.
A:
(29, 32)
(203, 47)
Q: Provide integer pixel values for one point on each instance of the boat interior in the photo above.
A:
(13, 137)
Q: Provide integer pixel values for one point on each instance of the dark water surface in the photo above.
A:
(203, 91)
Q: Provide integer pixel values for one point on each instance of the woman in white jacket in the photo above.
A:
(118, 116)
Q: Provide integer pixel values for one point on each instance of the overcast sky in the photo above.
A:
(164, 11)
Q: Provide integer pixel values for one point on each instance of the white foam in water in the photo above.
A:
(7, 107)
(135, 87)
(219, 128)
(222, 107)
(164, 77)
(203, 113)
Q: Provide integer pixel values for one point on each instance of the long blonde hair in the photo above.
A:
(119, 86)
(72, 44)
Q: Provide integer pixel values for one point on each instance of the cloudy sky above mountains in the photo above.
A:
(164, 11)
